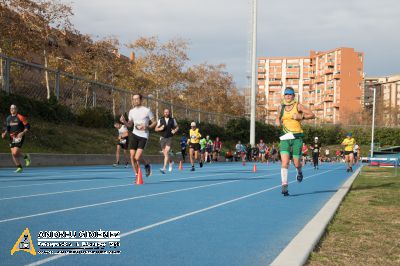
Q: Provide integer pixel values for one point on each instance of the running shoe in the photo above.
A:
(351, 169)
(27, 160)
(285, 191)
(162, 171)
(170, 166)
(115, 165)
(19, 170)
(201, 164)
(192, 169)
(126, 165)
(299, 177)
(147, 168)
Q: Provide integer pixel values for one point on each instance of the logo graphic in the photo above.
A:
(24, 243)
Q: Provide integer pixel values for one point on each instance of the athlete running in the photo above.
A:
(142, 119)
(122, 143)
(194, 145)
(167, 126)
(348, 144)
(17, 126)
(290, 116)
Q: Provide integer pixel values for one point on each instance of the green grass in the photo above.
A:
(46, 137)
(366, 229)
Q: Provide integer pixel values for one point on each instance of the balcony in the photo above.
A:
(329, 71)
(275, 82)
(272, 108)
(261, 76)
(292, 75)
(336, 76)
(312, 75)
(278, 89)
(329, 119)
(327, 98)
(306, 82)
(261, 70)
(329, 92)
(320, 80)
(330, 64)
(336, 105)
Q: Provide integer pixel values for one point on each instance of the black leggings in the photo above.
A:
(315, 157)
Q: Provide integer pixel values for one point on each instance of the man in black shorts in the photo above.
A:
(17, 126)
(142, 119)
(122, 143)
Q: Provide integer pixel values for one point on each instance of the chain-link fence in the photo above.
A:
(39, 83)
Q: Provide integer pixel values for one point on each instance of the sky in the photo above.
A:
(219, 31)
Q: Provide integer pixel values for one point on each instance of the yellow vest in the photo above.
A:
(349, 142)
(194, 136)
(288, 123)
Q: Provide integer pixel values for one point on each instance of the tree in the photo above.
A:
(47, 20)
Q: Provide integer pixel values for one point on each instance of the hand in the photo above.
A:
(173, 131)
(161, 127)
(3, 135)
(140, 127)
(20, 135)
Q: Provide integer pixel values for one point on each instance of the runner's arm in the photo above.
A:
(305, 113)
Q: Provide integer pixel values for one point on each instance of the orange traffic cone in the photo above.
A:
(139, 177)
(254, 168)
(180, 166)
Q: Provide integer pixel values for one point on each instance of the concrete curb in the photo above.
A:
(299, 249)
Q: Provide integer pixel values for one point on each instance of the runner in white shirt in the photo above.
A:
(122, 143)
(142, 119)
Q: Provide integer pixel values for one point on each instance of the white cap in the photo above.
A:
(316, 137)
(193, 124)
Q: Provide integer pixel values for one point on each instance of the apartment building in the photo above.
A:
(387, 103)
(330, 83)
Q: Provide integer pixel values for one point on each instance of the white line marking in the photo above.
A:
(144, 228)
(120, 200)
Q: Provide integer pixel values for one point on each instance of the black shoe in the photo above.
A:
(192, 169)
(351, 169)
(201, 164)
(285, 191)
(348, 170)
(299, 177)
(147, 168)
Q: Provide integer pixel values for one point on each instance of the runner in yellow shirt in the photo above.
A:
(348, 144)
(194, 144)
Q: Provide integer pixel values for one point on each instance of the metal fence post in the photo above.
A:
(57, 85)
(199, 117)
(6, 75)
(94, 98)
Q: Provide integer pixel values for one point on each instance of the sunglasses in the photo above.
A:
(289, 94)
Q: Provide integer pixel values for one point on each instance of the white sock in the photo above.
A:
(284, 175)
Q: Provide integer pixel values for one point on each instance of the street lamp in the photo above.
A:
(373, 123)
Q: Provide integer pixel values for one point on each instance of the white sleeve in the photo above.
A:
(130, 116)
(175, 123)
(150, 114)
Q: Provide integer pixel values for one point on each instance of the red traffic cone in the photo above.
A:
(180, 166)
(254, 168)
(139, 177)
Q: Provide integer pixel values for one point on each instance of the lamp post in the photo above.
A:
(253, 75)
(373, 123)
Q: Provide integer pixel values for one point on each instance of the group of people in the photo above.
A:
(201, 150)
(209, 150)
(256, 153)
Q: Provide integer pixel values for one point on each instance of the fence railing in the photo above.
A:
(38, 82)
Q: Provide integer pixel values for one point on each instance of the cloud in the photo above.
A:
(219, 30)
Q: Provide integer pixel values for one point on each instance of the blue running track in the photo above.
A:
(221, 214)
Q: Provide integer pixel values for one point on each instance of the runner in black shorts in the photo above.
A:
(142, 119)
(16, 126)
(194, 144)
(122, 143)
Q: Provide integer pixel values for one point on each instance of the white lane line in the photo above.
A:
(87, 189)
(62, 182)
(147, 227)
(120, 200)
